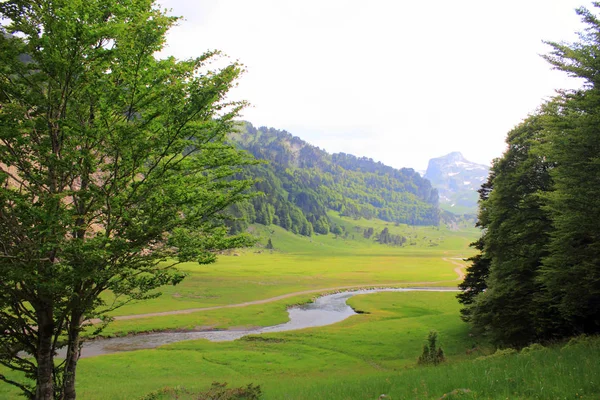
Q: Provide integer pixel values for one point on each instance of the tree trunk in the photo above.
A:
(73, 352)
(45, 356)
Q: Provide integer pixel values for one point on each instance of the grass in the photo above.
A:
(360, 358)
(386, 340)
(320, 262)
(553, 373)
(367, 355)
(298, 264)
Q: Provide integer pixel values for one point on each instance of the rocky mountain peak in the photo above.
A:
(457, 180)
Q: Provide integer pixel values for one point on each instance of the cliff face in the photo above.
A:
(457, 181)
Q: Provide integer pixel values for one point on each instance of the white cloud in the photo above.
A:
(397, 81)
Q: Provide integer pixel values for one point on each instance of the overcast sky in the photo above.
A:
(398, 81)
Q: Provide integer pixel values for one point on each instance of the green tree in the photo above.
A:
(475, 279)
(432, 353)
(322, 226)
(571, 271)
(516, 234)
(114, 168)
(477, 273)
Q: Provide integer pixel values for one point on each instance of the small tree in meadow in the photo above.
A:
(432, 354)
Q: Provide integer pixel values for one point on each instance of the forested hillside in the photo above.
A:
(537, 276)
(299, 183)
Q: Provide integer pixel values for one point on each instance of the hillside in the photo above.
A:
(457, 181)
(300, 183)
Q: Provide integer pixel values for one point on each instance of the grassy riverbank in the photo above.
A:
(363, 357)
(385, 340)
(387, 337)
(302, 263)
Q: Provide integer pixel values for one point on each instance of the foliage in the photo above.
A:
(514, 241)
(112, 162)
(217, 391)
(432, 354)
(499, 353)
(532, 347)
(385, 237)
(538, 274)
(571, 271)
(301, 183)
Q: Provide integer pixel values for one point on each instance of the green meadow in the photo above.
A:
(320, 262)
(367, 355)
(317, 264)
(363, 357)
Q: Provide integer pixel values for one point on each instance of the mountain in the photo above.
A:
(457, 181)
(301, 183)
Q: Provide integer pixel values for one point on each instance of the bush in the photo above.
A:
(432, 354)
(532, 347)
(217, 391)
(499, 353)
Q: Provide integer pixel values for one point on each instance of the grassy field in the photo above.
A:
(388, 337)
(297, 264)
(362, 357)
(319, 262)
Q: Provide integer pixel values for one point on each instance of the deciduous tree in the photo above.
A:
(114, 167)
(571, 271)
(513, 245)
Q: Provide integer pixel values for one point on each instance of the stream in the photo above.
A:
(325, 310)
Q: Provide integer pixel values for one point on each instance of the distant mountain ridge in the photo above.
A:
(301, 183)
(457, 181)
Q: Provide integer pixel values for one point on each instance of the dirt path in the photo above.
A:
(458, 270)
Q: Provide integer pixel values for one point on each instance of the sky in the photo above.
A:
(394, 80)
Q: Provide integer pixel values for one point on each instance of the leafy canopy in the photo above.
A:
(113, 168)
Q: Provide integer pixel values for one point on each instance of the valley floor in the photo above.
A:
(363, 357)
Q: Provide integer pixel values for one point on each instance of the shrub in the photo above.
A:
(217, 391)
(432, 354)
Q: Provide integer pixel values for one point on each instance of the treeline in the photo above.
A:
(537, 275)
(300, 183)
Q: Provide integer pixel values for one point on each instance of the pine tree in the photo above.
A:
(432, 354)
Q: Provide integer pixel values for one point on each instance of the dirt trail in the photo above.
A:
(458, 270)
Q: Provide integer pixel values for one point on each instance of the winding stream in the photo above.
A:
(325, 310)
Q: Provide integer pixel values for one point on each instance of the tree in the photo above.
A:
(516, 233)
(475, 279)
(571, 271)
(269, 245)
(114, 168)
(541, 244)
(432, 354)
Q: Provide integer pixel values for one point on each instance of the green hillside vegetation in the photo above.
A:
(301, 183)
